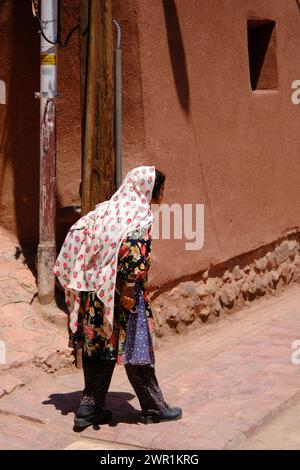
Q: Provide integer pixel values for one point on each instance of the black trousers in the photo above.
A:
(97, 378)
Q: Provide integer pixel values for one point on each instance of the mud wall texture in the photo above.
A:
(19, 118)
(188, 108)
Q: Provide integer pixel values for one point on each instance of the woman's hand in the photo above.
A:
(127, 298)
(127, 302)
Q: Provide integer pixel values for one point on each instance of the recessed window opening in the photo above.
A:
(262, 54)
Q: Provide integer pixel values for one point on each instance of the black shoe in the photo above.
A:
(170, 414)
(91, 414)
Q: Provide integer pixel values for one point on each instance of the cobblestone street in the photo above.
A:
(231, 379)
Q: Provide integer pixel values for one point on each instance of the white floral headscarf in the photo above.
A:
(89, 255)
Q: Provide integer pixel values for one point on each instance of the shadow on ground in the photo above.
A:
(117, 402)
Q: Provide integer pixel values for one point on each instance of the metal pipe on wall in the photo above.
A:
(118, 105)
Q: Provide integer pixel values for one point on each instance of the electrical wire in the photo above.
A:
(37, 16)
(69, 35)
(58, 39)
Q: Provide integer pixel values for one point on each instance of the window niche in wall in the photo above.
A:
(262, 54)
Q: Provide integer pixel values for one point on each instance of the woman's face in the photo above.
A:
(160, 196)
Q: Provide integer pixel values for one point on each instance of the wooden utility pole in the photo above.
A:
(97, 89)
(84, 36)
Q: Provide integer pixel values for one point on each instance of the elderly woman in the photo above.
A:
(103, 267)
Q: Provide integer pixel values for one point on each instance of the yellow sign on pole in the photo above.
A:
(48, 59)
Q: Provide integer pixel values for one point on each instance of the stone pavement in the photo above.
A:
(231, 378)
(24, 327)
(282, 433)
